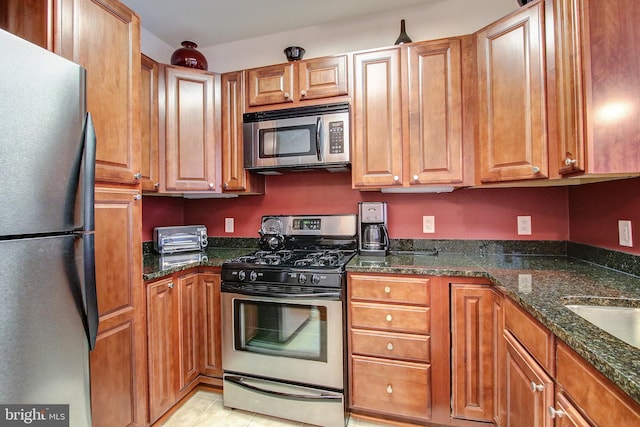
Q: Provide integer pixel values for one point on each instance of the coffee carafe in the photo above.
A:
(373, 238)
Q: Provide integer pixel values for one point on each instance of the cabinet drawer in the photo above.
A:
(600, 399)
(391, 317)
(403, 290)
(397, 388)
(396, 346)
(534, 336)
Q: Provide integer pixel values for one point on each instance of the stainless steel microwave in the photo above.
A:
(297, 138)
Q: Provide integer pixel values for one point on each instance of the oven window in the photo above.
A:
(288, 330)
(287, 141)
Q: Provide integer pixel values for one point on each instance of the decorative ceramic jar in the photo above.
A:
(294, 53)
(188, 56)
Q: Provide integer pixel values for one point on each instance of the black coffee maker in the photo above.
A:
(373, 238)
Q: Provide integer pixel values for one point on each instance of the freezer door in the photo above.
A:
(43, 333)
(42, 110)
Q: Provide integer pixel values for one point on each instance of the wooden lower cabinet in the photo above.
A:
(183, 337)
(585, 394)
(392, 387)
(117, 364)
(472, 351)
(529, 389)
(399, 342)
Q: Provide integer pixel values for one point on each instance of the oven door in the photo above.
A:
(287, 339)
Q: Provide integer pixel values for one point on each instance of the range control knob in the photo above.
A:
(315, 279)
(241, 275)
(302, 278)
(253, 276)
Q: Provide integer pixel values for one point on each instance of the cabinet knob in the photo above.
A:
(156, 185)
(137, 175)
(390, 346)
(416, 177)
(389, 389)
(535, 169)
(225, 185)
(553, 412)
(286, 95)
(396, 178)
(303, 93)
(170, 285)
(211, 185)
(137, 197)
(387, 289)
(389, 318)
(569, 162)
(536, 387)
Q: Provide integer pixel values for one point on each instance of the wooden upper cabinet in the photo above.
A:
(597, 83)
(377, 119)
(32, 20)
(149, 138)
(322, 77)
(103, 36)
(235, 178)
(190, 149)
(297, 81)
(512, 97)
(408, 115)
(435, 152)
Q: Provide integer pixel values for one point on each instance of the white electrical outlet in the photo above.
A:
(624, 233)
(228, 225)
(524, 225)
(428, 224)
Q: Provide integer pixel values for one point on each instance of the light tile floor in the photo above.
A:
(205, 409)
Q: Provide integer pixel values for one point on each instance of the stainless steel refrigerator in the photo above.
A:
(48, 306)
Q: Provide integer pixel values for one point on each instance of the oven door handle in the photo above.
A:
(320, 295)
(239, 381)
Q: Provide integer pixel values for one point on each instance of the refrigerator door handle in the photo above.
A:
(88, 188)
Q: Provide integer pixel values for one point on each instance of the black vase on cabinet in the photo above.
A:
(403, 37)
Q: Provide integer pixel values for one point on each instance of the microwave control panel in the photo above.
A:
(336, 137)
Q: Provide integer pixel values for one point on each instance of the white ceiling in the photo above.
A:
(214, 22)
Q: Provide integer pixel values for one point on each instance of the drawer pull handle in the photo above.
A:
(389, 346)
(387, 290)
(389, 389)
(389, 318)
(553, 412)
(536, 387)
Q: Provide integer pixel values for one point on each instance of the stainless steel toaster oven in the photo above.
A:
(186, 238)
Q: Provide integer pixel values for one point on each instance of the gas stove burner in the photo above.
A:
(320, 259)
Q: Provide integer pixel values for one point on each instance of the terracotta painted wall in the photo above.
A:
(463, 214)
(596, 208)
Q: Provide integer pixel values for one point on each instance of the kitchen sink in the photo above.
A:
(621, 322)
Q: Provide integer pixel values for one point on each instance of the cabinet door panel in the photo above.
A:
(113, 79)
(526, 406)
(435, 112)
(377, 103)
(188, 330)
(211, 340)
(270, 85)
(512, 98)
(472, 351)
(322, 77)
(160, 333)
(191, 148)
(149, 139)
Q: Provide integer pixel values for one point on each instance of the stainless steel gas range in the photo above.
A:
(283, 344)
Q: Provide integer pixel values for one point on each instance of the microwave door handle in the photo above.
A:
(319, 138)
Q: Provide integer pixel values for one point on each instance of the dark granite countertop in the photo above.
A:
(156, 266)
(542, 285)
